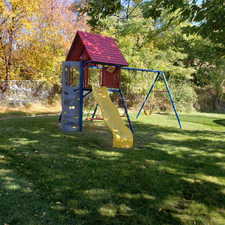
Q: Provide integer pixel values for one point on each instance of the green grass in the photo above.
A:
(171, 176)
(16, 114)
(12, 114)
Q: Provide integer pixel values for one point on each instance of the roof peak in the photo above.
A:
(97, 34)
(97, 48)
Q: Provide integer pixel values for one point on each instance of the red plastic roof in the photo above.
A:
(95, 47)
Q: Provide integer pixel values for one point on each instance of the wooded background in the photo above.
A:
(184, 38)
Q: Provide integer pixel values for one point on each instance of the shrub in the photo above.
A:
(184, 95)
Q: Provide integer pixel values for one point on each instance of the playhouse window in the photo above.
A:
(72, 75)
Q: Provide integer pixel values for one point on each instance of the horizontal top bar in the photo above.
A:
(130, 68)
(143, 70)
(71, 63)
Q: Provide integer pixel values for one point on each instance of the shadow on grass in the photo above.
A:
(220, 122)
(169, 177)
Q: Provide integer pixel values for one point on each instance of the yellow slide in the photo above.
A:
(122, 136)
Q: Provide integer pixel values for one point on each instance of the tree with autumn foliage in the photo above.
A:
(15, 19)
(34, 39)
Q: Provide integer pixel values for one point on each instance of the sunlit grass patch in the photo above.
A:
(32, 109)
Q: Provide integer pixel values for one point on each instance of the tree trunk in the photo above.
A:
(55, 89)
(8, 63)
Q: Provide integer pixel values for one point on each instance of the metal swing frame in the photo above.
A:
(159, 74)
(80, 93)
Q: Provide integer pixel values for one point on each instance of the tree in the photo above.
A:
(34, 39)
(96, 10)
(150, 44)
(207, 16)
(15, 18)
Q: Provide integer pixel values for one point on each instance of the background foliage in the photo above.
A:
(183, 38)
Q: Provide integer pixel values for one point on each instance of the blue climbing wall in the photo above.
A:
(70, 98)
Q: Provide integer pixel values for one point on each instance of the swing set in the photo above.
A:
(93, 51)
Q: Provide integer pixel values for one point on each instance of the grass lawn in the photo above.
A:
(171, 176)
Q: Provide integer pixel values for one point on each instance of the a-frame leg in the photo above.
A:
(147, 96)
(126, 110)
(95, 110)
(171, 99)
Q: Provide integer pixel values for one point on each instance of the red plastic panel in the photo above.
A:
(111, 77)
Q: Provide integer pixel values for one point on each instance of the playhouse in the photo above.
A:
(102, 53)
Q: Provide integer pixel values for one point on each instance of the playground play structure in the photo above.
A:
(99, 52)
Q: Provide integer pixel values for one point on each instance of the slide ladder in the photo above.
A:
(122, 136)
